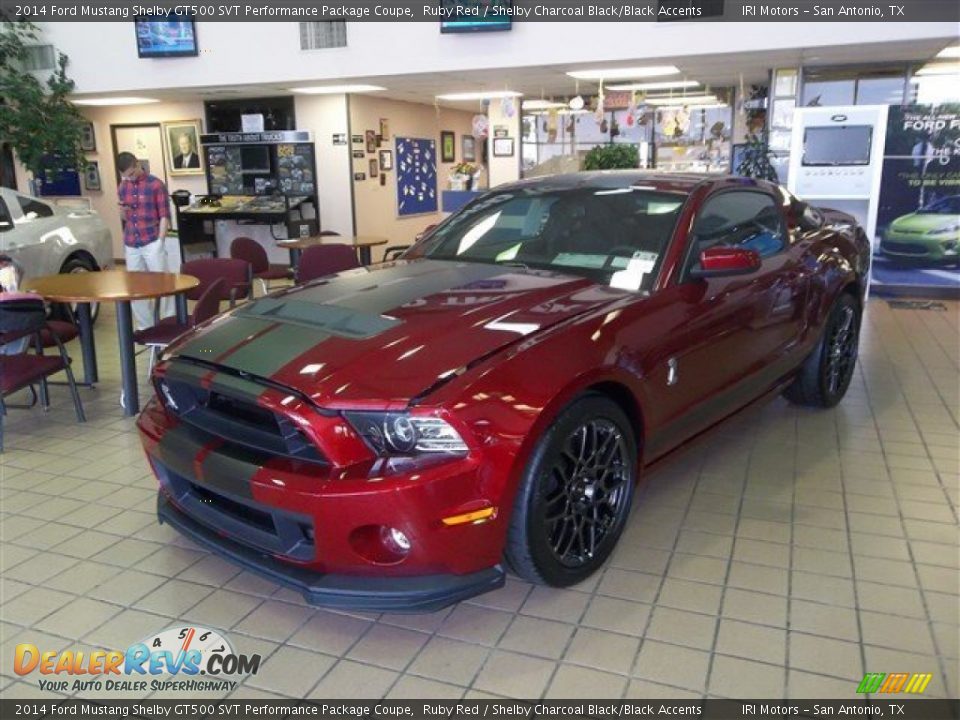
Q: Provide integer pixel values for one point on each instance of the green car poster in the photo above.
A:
(918, 217)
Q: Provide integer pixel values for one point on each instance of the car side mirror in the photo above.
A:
(805, 216)
(720, 261)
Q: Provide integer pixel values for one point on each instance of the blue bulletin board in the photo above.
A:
(416, 165)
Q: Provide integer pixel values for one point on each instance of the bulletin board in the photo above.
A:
(416, 164)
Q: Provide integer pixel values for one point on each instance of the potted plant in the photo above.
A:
(612, 157)
(43, 127)
(465, 176)
(755, 160)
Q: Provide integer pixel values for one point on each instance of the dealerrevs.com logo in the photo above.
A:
(171, 660)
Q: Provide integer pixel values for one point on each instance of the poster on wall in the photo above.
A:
(416, 164)
(918, 216)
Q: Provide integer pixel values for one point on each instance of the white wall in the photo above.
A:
(103, 56)
(503, 169)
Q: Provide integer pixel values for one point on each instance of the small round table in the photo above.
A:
(120, 287)
(362, 243)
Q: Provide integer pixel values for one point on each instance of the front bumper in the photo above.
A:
(915, 247)
(426, 593)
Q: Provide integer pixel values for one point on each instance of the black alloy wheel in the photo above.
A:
(576, 494)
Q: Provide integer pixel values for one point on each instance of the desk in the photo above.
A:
(260, 210)
(120, 287)
(362, 243)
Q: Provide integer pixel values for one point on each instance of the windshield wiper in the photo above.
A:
(514, 263)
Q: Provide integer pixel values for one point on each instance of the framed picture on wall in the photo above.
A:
(88, 139)
(384, 129)
(502, 147)
(374, 171)
(91, 176)
(371, 137)
(359, 154)
(386, 160)
(356, 139)
(448, 146)
(181, 140)
(468, 148)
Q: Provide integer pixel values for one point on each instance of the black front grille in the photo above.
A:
(237, 420)
(266, 528)
(906, 248)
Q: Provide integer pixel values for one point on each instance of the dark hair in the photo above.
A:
(125, 161)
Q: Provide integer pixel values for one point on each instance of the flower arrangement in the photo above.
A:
(464, 176)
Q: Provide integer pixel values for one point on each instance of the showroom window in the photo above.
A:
(750, 220)
(320, 35)
(853, 86)
(39, 57)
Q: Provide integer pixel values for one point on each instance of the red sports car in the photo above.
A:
(392, 437)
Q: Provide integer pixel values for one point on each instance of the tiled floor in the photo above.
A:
(786, 555)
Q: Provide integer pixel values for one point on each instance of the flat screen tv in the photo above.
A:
(465, 16)
(255, 158)
(166, 38)
(837, 145)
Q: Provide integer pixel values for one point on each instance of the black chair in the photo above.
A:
(23, 316)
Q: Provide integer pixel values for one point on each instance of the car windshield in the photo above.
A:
(615, 236)
(946, 206)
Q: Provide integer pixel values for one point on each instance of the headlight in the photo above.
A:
(944, 230)
(389, 433)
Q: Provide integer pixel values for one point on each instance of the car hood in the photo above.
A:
(385, 335)
(922, 222)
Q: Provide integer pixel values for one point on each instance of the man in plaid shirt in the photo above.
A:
(145, 208)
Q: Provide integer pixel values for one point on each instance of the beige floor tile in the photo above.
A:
(826, 620)
(32, 605)
(513, 675)
(535, 636)
(804, 685)
(754, 642)
(330, 633)
(173, 598)
(738, 678)
(644, 690)
(409, 687)
(602, 650)
(274, 620)
(672, 665)
(222, 609)
(571, 683)
(755, 607)
(291, 671)
(615, 615)
(388, 646)
(761, 578)
(700, 569)
(628, 585)
(825, 655)
(896, 632)
(476, 624)
(680, 627)
(451, 661)
(905, 602)
(78, 618)
(562, 605)
(127, 587)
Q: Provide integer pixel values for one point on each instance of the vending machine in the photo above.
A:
(836, 159)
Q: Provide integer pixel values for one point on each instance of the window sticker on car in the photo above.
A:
(632, 276)
(582, 260)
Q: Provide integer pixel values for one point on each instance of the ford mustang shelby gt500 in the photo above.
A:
(391, 437)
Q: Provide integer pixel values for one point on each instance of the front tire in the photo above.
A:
(575, 495)
(825, 375)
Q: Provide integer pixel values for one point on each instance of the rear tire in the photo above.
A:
(60, 311)
(575, 495)
(825, 375)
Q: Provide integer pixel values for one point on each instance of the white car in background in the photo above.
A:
(47, 238)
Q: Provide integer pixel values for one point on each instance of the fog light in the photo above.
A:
(395, 540)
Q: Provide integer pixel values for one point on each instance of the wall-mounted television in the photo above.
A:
(158, 38)
(466, 16)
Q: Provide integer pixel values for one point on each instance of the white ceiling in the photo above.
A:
(710, 70)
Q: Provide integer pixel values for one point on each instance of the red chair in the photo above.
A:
(244, 248)
(22, 317)
(237, 276)
(320, 260)
(168, 329)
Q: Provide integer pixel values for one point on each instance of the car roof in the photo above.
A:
(668, 182)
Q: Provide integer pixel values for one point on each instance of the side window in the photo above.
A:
(6, 222)
(33, 208)
(744, 219)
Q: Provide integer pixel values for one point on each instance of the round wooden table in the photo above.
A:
(362, 243)
(120, 287)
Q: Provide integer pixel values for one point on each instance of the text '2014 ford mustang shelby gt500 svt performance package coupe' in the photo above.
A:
(389, 438)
